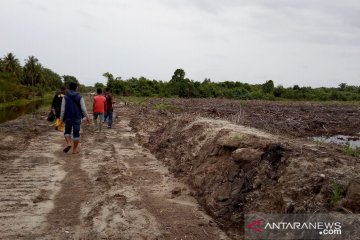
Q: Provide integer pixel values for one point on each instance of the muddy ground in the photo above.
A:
(171, 173)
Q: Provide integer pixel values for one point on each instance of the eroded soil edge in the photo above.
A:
(234, 170)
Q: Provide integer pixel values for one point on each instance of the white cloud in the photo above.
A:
(292, 42)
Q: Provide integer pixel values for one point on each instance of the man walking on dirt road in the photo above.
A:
(99, 109)
(73, 109)
(56, 106)
(109, 107)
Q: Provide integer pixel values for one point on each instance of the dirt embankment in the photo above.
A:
(233, 170)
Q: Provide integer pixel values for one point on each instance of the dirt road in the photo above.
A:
(129, 182)
(113, 189)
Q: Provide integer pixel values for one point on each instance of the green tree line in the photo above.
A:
(28, 81)
(180, 86)
(33, 79)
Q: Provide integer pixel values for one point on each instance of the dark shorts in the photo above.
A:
(74, 126)
(100, 115)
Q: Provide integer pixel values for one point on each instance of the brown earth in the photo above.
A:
(299, 119)
(113, 189)
(234, 170)
(179, 173)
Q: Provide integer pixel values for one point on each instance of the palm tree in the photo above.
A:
(10, 63)
(32, 71)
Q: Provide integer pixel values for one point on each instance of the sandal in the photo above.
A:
(67, 149)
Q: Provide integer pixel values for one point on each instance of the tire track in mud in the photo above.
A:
(65, 216)
(110, 212)
(132, 196)
(28, 182)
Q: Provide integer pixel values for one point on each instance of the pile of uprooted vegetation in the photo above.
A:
(299, 119)
(233, 170)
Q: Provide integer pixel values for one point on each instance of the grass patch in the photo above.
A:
(162, 106)
(336, 193)
(355, 152)
(141, 101)
(319, 142)
(46, 100)
(237, 136)
(18, 103)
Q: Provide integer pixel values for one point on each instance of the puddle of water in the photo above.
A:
(13, 112)
(352, 141)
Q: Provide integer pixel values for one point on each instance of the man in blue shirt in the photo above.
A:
(73, 109)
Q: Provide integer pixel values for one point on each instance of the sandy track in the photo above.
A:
(28, 182)
(114, 189)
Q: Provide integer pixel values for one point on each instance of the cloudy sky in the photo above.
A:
(306, 42)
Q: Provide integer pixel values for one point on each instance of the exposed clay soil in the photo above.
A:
(190, 172)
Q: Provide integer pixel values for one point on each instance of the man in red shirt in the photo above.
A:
(99, 109)
(109, 107)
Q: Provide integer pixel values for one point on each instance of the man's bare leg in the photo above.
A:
(100, 124)
(76, 147)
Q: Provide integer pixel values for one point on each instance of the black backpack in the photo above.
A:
(51, 116)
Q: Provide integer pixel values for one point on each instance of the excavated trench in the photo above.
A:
(233, 170)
